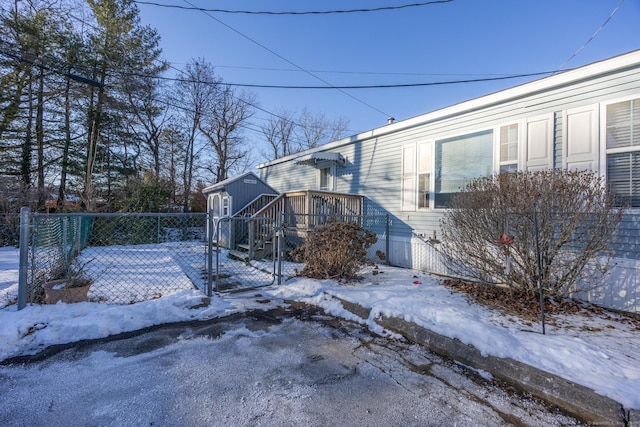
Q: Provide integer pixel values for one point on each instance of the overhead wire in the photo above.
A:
(593, 36)
(372, 86)
(313, 12)
(290, 62)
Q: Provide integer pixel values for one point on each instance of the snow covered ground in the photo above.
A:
(599, 353)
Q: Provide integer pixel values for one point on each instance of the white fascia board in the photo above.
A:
(591, 70)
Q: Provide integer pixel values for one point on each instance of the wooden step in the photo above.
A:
(240, 256)
(243, 246)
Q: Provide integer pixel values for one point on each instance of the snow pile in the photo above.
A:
(605, 358)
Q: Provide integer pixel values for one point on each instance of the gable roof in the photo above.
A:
(223, 184)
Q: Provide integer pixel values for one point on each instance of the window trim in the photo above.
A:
(604, 151)
(429, 172)
(332, 175)
(409, 176)
(494, 153)
(415, 177)
(498, 164)
(225, 198)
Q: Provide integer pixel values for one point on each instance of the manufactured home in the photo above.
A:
(584, 118)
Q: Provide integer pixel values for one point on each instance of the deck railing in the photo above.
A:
(301, 210)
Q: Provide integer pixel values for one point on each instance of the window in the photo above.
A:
(459, 160)
(424, 174)
(408, 186)
(416, 176)
(325, 178)
(509, 148)
(326, 172)
(623, 150)
(225, 206)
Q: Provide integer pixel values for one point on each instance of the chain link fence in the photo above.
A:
(9, 228)
(128, 258)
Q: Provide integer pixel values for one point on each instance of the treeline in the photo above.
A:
(90, 121)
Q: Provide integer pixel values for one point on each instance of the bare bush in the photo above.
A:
(336, 250)
(490, 232)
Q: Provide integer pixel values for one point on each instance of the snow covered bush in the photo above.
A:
(336, 250)
(489, 234)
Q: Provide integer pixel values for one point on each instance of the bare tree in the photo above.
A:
(287, 134)
(222, 123)
(195, 94)
(279, 133)
(498, 226)
(315, 129)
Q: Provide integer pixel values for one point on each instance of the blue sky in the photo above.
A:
(457, 40)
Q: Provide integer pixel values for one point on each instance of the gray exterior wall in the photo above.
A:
(242, 190)
(374, 163)
(374, 158)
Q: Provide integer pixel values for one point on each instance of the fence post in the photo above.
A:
(64, 250)
(540, 289)
(387, 244)
(25, 222)
(279, 239)
(210, 253)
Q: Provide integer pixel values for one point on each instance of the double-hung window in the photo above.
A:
(509, 148)
(416, 176)
(225, 206)
(623, 150)
(459, 160)
(424, 174)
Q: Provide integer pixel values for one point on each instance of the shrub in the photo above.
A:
(497, 216)
(336, 250)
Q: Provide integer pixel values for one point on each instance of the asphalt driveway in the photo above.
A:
(263, 369)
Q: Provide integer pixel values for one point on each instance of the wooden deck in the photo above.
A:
(297, 212)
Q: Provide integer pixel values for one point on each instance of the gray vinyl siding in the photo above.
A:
(557, 140)
(242, 190)
(626, 241)
(374, 159)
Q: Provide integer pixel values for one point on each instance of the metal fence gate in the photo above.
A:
(132, 257)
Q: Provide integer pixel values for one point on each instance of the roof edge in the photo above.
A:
(606, 65)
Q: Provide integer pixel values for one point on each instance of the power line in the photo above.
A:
(37, 63)
(593, 36)
(373, 73)
(292, 63)
(374, 86)
(315, 12)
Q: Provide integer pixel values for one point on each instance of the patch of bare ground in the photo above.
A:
(526, 307)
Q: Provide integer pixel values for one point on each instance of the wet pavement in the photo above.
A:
(257, 369)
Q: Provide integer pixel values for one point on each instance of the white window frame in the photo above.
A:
(604, 151)
(429, 171)
(434, 169)
(410, 177)
(225, 206)
(332, 175)
(498, 147)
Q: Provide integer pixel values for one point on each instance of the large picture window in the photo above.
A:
(623, 151)
(458, 161)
